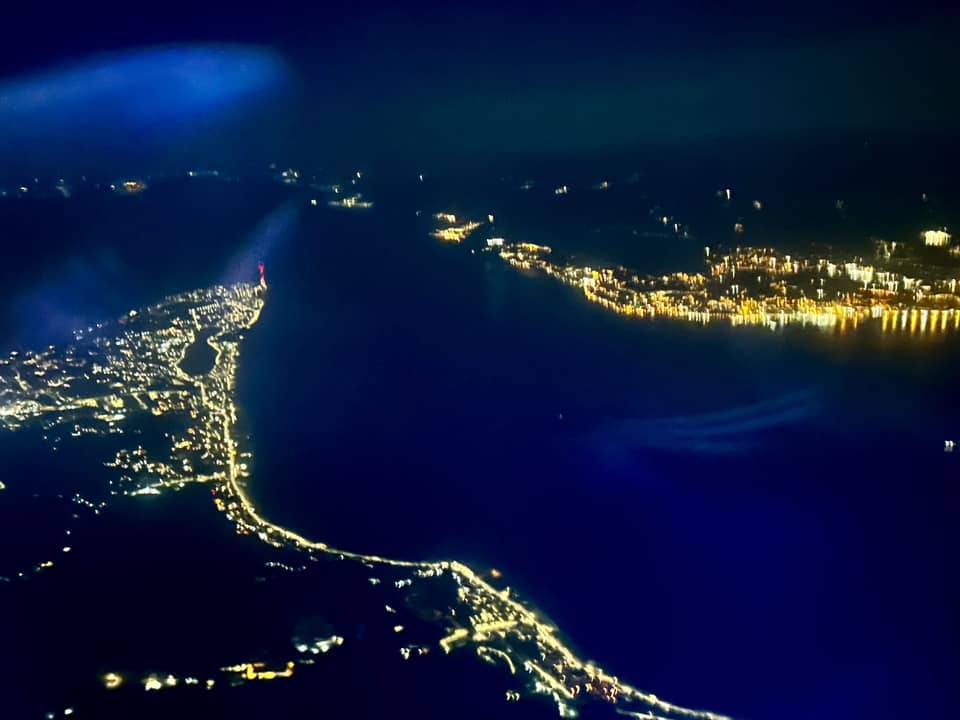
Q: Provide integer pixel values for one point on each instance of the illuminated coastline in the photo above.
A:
(121, 373)
(763, 287)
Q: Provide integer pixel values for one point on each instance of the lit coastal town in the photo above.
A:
(907, 288)
(449, 229)
(136, 376)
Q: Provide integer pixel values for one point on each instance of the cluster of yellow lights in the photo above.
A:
(256, 671)
(111, 681)
(916, 307)
(354, 202)
(455, 234)
(450, 231)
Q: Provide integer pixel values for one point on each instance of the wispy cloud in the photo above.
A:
(730, 430)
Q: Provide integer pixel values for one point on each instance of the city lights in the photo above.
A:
(762, 287)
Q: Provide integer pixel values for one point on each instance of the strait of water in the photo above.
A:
(758, 523)
(787, 556)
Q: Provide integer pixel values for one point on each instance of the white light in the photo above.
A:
(936, 238)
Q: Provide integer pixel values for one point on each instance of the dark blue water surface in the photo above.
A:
(421, 401)
(758, 523)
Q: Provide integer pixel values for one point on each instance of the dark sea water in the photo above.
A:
(423, 401)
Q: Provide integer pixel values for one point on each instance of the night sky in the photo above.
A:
(438, 82)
